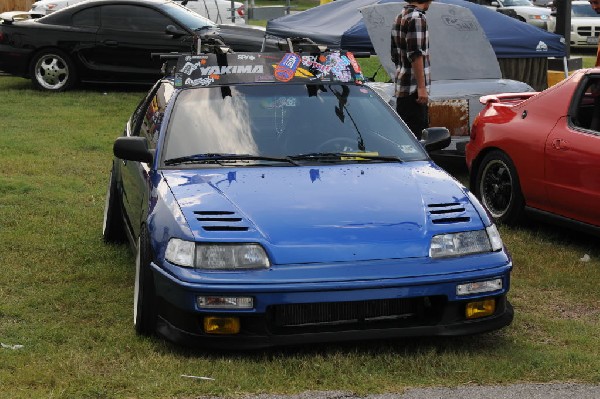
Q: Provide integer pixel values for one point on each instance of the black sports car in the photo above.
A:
(111, 41)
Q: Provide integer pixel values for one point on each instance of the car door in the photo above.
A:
(572, 158)
(127, 37)
(136, 176)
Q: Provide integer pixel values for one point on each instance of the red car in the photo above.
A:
(540, 152)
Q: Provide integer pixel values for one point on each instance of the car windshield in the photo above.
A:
(189, 18)
(583, 10)
(321, 123)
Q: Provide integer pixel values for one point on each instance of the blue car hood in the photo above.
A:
(325, 214)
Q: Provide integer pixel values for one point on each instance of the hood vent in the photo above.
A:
(447, 213)
(220, 221)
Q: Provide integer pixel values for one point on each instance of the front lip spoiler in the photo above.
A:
(176, 335)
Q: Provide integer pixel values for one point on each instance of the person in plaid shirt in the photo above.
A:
(410, 54)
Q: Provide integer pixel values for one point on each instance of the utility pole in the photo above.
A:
(563, 22)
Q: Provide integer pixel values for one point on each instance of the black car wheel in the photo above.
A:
(144, 303)
(113, 227)
(52, 70)
(497, 185)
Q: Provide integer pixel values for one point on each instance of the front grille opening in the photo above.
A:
(342, 316)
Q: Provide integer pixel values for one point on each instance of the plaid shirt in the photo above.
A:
(410, 38)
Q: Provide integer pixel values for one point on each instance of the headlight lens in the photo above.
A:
(465, 243)
(180, 252)
(231, 256)
(216, 256)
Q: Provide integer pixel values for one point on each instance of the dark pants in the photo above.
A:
(415, 115)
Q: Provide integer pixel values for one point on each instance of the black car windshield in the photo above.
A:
(190, 19)
(298, 121)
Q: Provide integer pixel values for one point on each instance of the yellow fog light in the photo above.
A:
(479, 309)
(221, 325)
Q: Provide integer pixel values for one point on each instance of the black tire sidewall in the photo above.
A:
(515, 207)
(113, 226)
(145, 316)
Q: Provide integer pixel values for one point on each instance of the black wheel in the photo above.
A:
(144, 302)
(52, 70)
(497, 186)
(113, 227)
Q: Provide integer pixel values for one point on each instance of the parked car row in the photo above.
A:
(523, 10)
(410, 252)
(585, 25)
(111, 41)
(218, 11)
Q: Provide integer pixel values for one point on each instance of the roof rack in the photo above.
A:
(206, 43)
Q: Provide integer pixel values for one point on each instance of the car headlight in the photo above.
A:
(542, 17)
(216, 256)
(465, 243)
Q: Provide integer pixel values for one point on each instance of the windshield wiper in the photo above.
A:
(345, 156)
(224, 158)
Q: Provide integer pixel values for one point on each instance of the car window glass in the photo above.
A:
(152, 118)
(283, 120)
(87, 17)
(588, 106)
(133, 18)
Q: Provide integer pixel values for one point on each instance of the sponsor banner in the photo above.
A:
(216, 69)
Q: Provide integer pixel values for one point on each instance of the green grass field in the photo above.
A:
(66, 297)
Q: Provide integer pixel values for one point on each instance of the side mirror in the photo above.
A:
(133, 149)
(435, 138)
(495, 4)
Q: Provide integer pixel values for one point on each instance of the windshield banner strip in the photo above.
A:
(218, 70)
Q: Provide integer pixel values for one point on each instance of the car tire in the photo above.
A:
(113, 227)
(52, 70)
(144, 303)
(497, 186)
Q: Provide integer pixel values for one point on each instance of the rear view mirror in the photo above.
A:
(133, 149)
(435, 138)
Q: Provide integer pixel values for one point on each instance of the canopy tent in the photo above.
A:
(522, 50)
(339, 24)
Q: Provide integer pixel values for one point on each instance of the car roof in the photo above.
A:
(209, 69)
(63, 16)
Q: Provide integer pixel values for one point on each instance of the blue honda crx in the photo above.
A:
(275, 199)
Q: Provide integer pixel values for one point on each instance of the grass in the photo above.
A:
(67, 297)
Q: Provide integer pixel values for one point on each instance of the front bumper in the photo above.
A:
(327, 311)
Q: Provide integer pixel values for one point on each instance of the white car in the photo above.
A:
(45, 7)
(218, 11)
(526, 11)
(585, 25)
